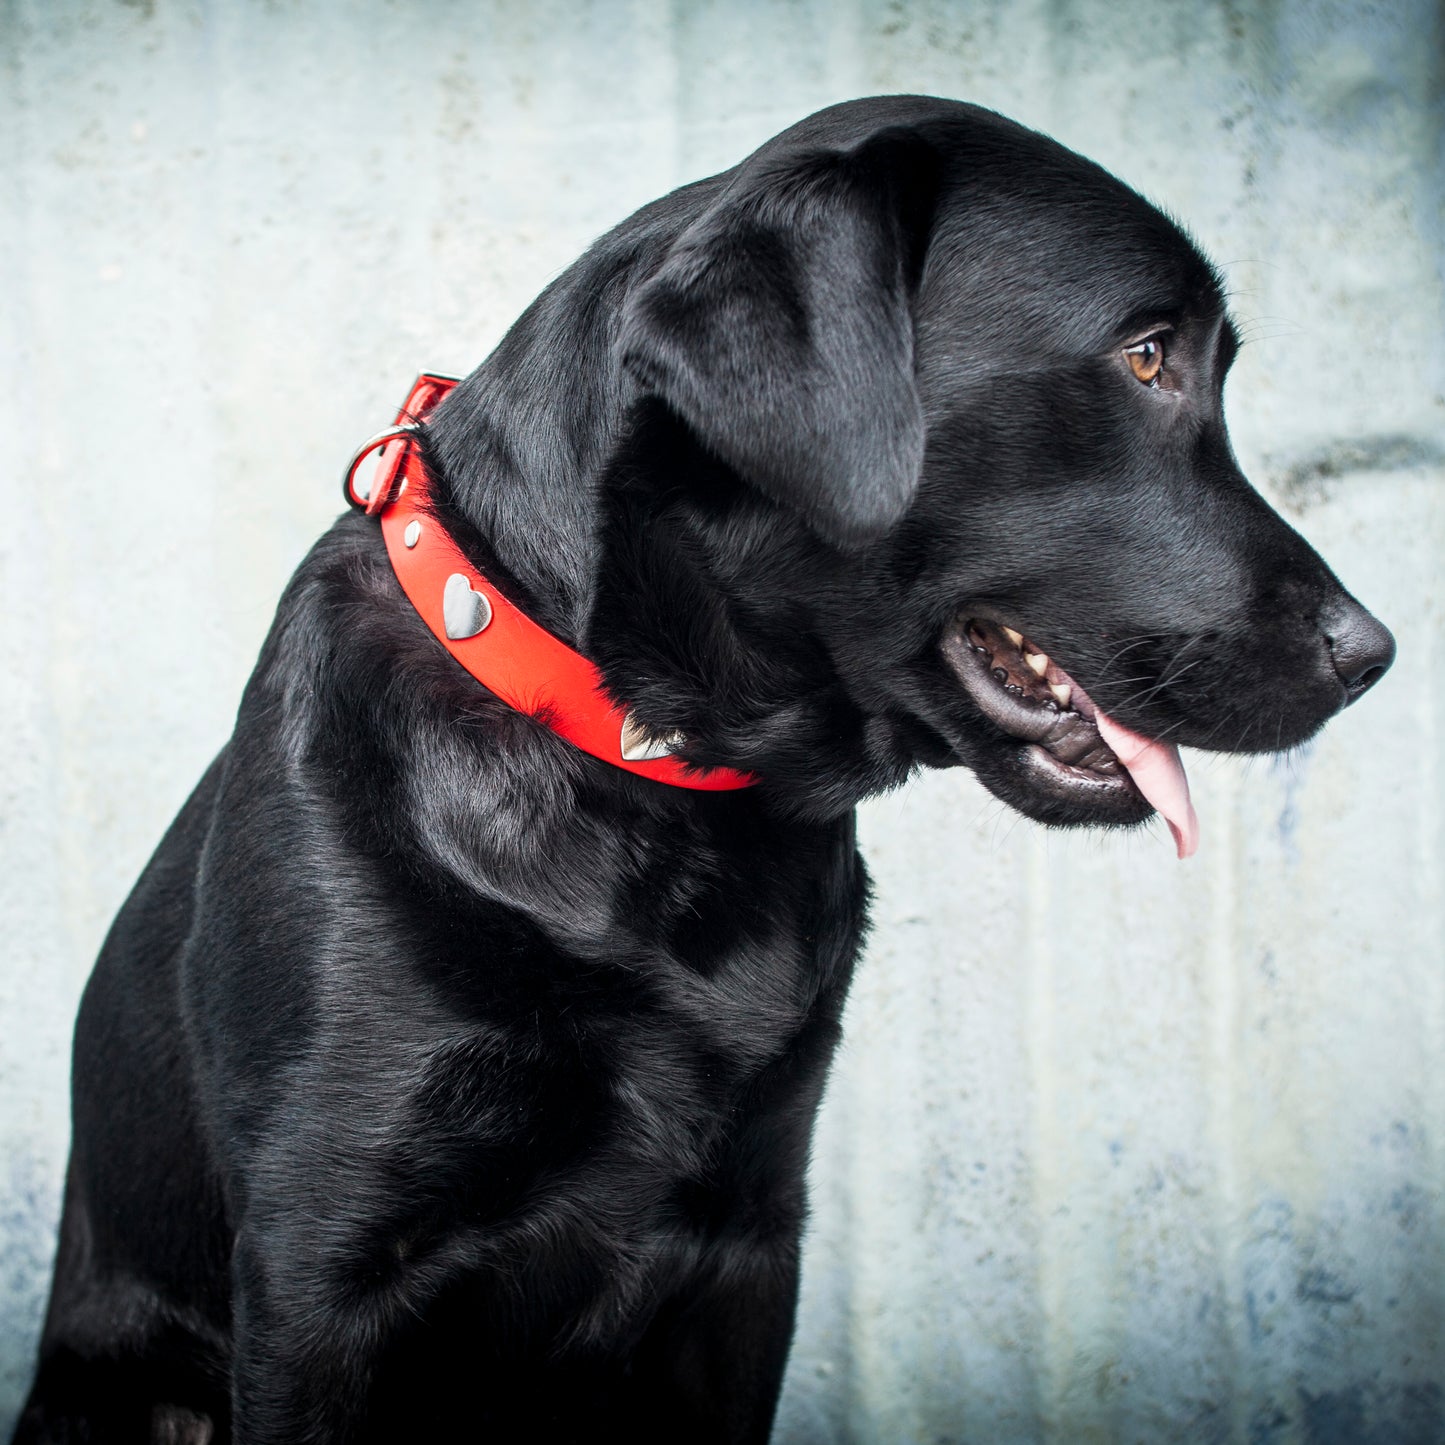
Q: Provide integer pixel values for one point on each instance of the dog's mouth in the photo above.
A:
(1071, 751)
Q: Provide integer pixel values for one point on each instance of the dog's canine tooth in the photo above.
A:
(1014, 637)
(1038, 661)
(1062, 693)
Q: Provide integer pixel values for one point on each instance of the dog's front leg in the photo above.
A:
(304, 1357)
(711, 1365)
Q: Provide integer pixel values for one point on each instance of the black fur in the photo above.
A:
(438, 1079)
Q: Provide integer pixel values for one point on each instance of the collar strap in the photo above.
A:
(509, 654)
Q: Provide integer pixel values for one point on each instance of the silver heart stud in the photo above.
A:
(641, 746)
(465, 612)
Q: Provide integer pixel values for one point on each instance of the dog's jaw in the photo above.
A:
(1049, 759)
(1071, 749)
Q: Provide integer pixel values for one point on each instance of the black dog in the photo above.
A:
(440, 1078)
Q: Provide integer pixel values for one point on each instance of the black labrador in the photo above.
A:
(441, 1078)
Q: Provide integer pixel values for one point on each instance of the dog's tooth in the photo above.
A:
(1062, 692)
(1038, 661)
(1014, 637)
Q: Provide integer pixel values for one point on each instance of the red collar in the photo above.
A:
(508, 653)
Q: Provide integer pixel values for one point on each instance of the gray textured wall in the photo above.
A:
(1118, 1149)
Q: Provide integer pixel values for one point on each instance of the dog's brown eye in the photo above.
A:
(1146, 358)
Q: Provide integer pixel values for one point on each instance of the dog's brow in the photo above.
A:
(1146, 319)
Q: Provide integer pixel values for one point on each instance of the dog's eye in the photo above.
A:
(1146, 358)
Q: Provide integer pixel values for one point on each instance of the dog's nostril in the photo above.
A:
(1361, 648)
(1367, 680)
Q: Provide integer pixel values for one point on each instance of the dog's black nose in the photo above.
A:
(1361, 647)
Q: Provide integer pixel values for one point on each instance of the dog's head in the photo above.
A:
(918, 455)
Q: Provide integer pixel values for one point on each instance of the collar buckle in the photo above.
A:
(426, 393)
(383, 479)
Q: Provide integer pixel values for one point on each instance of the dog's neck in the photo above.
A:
(487, 633)
(537, 458)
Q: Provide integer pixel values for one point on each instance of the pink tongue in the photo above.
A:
(1158, 774)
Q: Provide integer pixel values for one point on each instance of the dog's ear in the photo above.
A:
(779, 327)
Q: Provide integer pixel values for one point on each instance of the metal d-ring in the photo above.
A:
(402, 429)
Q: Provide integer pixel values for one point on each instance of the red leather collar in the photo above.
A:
(508, 653)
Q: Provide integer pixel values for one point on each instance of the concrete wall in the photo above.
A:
(1118, 1150)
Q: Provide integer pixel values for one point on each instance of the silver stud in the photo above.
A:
(464, 612)
(413, 531)
(641, 746)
